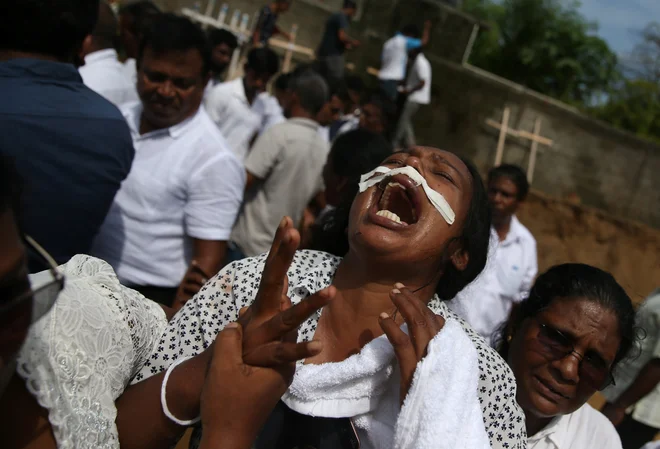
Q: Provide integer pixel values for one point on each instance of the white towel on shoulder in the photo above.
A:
(441, 410)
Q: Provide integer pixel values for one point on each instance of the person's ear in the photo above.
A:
(85, 47)
(460, 258)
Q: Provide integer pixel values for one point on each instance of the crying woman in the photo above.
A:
(396, 368)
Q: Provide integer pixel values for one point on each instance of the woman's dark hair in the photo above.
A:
(515, 174)
(55, 28)
(475, 237)
(575, 280)
(169, 32)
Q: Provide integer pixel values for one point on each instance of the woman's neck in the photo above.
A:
(365, 287)
(535, 424)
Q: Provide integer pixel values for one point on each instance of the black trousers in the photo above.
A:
(634, 434)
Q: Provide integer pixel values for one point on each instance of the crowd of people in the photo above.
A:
(273, 261)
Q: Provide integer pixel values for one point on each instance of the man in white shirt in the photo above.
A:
(102, 71)
(134, 19)
(512, 266)
(394, 58)
(230, 104)
(283, 169)
(418, 92)
(168, 228)
(637, 388)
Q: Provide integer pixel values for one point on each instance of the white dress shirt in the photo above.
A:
(421, 71)
(130, 69)
(647, 410)
(228, 107)
(185, 183)
(104, 74)
(270, 111)
(507, 279)
(395, 57)
(585, 428)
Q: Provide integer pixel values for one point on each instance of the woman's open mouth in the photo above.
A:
(399, 202)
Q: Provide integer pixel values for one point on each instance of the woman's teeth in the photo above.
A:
(390, 216)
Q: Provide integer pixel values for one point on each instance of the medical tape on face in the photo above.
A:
(439, 202)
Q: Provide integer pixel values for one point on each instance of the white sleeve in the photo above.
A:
(215, 194)
(531, 269)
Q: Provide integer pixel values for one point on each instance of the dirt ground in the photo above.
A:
(569, 232)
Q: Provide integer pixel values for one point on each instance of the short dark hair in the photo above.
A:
(515, 174)
(475, 236)
(263, 60)
(312, 90)
(219, 36)
(354, 82)
(358, 152)
(350, 4)
(411, 30)
(55, 28)
(387, 108)
(106, 30)
(169, 32)
(572, 281)
(282, 81)
(141, 13)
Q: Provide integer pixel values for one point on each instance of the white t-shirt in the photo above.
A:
(510, 271)
(647, 409)
(421, 70)
(289, 159)
(228, 107)
(395, 57)
(585, 428)
(184, 183)
(104, 74)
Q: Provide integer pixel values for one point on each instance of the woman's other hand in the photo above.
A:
(270, 315)
(423, 326)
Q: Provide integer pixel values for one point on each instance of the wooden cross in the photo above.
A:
(534, 137)
(239, 25)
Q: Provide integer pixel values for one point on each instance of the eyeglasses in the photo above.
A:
(593, 370)
(45, 289)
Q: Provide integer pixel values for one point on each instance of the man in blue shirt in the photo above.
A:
(267, 22)
(335, 42)
(71, 146)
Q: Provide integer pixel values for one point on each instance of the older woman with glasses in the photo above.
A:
(563, 343)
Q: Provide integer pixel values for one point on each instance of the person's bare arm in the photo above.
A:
(647, 379)
(208, 259)
(426, 35)
(347, 40)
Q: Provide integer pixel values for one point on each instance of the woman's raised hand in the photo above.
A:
(270, 323)
(423, 326)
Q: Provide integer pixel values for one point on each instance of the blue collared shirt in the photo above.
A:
(71, 147)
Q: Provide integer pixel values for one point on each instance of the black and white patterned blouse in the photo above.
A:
(217, 304)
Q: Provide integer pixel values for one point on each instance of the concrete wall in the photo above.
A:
(604, 167)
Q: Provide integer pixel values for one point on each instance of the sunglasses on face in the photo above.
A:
(557, 345)
(44, 291)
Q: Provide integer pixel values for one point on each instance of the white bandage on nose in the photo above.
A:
(439, 202)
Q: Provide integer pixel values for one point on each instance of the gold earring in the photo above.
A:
(509, 338)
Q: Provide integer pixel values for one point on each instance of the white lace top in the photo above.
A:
(79, 358)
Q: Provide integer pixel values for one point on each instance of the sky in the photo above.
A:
(619, 20)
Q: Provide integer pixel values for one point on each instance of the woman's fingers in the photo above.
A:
(404, 350)
(278, 262)
(419, 328)
(422, 309)
(281, 352)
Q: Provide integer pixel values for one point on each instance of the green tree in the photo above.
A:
(546, 45)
